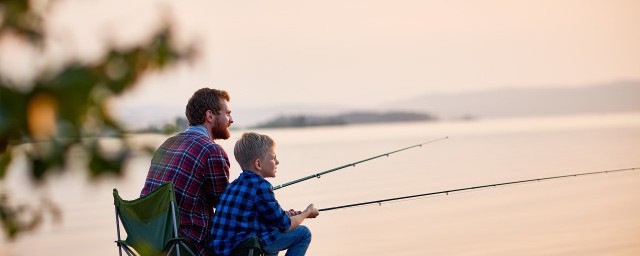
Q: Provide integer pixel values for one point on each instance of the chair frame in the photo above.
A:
(175, 242)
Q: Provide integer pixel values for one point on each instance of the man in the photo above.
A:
(197, 166)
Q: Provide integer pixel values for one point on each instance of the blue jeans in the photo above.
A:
(295, 242)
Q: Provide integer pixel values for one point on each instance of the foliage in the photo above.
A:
(66, 108)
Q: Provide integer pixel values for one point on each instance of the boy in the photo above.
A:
(248, 206)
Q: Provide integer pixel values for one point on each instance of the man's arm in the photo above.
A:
(216, 175)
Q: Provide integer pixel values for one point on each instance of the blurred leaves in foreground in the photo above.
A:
(65, 110)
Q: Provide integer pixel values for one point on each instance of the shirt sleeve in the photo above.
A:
(269, 209)
(216, 175)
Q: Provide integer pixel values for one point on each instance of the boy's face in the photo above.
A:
(269, 164)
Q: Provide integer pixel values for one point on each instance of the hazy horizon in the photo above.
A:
(483, 103)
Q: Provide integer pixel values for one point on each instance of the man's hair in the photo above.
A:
(203, 100)
(250, 147)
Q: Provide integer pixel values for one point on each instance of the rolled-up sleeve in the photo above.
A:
(269, 208)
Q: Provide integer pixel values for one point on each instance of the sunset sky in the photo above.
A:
(360, 53)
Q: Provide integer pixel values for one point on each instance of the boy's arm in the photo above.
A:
(269, 209)
(310, 212)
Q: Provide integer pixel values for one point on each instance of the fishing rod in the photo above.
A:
(446, 192)
(317, 175)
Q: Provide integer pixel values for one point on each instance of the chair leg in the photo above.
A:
(118, 230)
(171, 249)
(186, 247)
(128, 251)
(175, 224)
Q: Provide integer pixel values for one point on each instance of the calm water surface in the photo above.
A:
(593, 215)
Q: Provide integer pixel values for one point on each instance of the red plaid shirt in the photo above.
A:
(199, 169)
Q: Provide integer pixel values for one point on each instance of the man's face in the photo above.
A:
(222, 121)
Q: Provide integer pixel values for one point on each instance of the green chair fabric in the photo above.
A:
(250, 247)
(151, 223)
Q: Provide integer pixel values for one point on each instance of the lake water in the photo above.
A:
(592, 215)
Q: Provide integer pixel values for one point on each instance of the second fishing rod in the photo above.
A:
(451, 191)
(317, 175)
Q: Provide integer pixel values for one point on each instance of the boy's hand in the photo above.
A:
(293, 212)
(311, 211)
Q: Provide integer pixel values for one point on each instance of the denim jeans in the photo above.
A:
(295, 242)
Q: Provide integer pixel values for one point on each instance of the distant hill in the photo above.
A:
(514, 102)
(344, 119)
(248, 117)
(499, 103)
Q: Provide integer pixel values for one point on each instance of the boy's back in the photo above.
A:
(247, 208)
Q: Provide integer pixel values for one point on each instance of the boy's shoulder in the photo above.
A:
(248, 179)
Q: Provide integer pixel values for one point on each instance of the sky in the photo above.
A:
(359, 53)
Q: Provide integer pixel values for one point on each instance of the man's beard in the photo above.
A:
(221, 131)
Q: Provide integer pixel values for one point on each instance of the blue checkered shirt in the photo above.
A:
(247, 208)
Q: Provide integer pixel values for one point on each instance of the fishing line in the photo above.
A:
(447, 192)
(317, 175)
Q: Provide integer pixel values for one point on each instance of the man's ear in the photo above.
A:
(209, 115)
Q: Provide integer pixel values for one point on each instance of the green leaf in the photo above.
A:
(5, 159)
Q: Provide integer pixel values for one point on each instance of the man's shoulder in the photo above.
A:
(197, 141)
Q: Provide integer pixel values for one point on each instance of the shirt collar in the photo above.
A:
(253, 175)
(250, 173)
(198, 129)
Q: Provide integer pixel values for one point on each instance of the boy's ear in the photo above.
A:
(257, 164)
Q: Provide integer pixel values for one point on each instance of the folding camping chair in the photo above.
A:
(151, 223)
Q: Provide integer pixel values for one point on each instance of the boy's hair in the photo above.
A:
(250, 147)
(203, 100)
